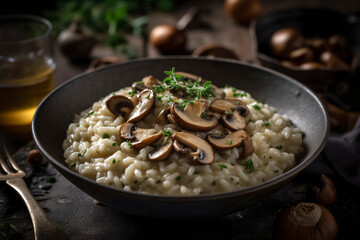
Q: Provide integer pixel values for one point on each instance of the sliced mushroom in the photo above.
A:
(120, 105)
(126, 131)
(147, 82)
(225, 142)
(248, 147)
(162, 150)
(229, 105)
(192, 117)
(144, 137)
(218, 92)
(162, 118)
(144, 106)
(202, 151)
(233, 121)
(180, 148)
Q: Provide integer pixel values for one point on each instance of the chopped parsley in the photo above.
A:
(172, 100)
(222, 166)
(140, 82)
(129, 143)
(102, 98)
(148, 96)
(158, 98)
(105, 135)
(114, 144)
(250, 120)
(113, 93)
(203, 115)
(178, 178)
(256, 107)
(279, 147)
(91, 113)
(81, 155)
(229, 112)
(73, 165)
(260, 101)
(266, 123)
(229, 141)
(114, 161)
(166, 133)
(249, 166)
(132, 92)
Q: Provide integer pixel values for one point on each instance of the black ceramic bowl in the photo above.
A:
(56, 112)
(311, 23)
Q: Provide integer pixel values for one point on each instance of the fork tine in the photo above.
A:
(3, 165)
(11, 160)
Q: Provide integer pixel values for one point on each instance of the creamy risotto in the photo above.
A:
(181, 136)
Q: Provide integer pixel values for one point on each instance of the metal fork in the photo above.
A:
(44, 227)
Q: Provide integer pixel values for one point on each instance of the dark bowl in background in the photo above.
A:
(288, 96)
(311, 22)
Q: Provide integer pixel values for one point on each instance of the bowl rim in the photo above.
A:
(285, 177)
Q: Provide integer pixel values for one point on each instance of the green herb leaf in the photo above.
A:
(178, 178)
(113, 161)
(91, 113)
(279, 147)
(129, 143)
(166, 133)
(266, 123)
(260, 101)
(140, 82)
(222, 166)
(256, 107)
(249, 166)
(81, 155)
(105, 135)
(203, 115)
(114, 144)
(132, 92)
(73, 165)
(159, 88)
(158, 98)
(229, 112)
(229, 141)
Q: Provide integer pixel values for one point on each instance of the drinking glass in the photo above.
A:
(26, 68)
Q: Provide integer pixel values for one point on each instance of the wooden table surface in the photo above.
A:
(253, 223)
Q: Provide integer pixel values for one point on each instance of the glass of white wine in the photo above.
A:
(26, 68)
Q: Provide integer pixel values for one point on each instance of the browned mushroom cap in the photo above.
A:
(229, 105)
(144, 106)
(180, 148)
(162, 119)
(301, 55)
(192, 117)
(163, 149)
(144, 137)
(126, 131)
(229, 141)
(147, 82)
(333, 62)
(233, 121)
(119, 105)
(218, 92)
(248, 147)
(203, 152)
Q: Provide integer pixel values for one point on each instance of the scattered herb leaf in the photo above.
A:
(91, 113)
(129, 143)
(256, 107)
(249, 166)
(114, 144)
(279, 147)
(73, 165)
(266, 123)
(178, 178)
(159, 89)
(132, 92)
(81, 155)
(229, 141)
(105, 135)
(166, 133)
(114, 161)
(222, 166)
(229, 112)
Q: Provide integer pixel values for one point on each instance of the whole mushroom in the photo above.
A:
(167, 39)
(285, 40)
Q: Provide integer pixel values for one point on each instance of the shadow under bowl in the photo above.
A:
(289, 97)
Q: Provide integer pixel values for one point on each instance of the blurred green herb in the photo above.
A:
(109, 20)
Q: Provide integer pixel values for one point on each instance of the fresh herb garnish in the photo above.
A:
(73, 165)
(91, 113)
(266, 123)
(171, 100)
(159, 88)
(256, 107)
(229, 141)
(81, 155)
(148, 96)
(178, 178)
(166, 133)
(140, 82)
(250, 120)
(222, 166)
(185, 103)
(114, 144)
(203, 115)
(279, 147)
(260, 101)
(129, 143)
(194, 89)
(229, 112)
(158, 98)
(114, 161)
(132, 92)
(102, 98)
(105, 135)
(249, 166)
